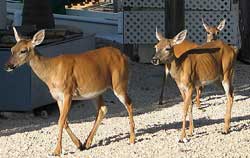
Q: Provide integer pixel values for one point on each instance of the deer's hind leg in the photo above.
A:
(101, 112)
(120, 87)
(198, 96)
(187, 104)
(228, 87)
(120, 90)
(124, 98)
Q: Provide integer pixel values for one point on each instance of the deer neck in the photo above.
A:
(209, 38)
(40, 66)
(173, 68)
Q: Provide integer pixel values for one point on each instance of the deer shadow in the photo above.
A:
(176, 125)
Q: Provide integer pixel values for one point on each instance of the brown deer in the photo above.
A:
(213, 31)
(192, 70)
(212, 35)
(187, 45)
(76, 77)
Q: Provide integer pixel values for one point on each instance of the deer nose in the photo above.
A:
(9, 67)
(155, 61)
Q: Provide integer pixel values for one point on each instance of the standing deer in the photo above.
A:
(192, 70)
(213, 31)
(76, 77)
(212, 35)
(187, 45)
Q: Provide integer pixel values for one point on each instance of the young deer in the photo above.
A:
(76, 77)
(193, 70)
(212, 35)
(213, 31)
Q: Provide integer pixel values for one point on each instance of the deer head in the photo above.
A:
(212, 31)
(164, 48)
(22, 51)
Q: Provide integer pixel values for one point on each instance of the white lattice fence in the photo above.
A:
(196, 31)
(144, 3)
(194, 25)
(139, 26)
(208, 5)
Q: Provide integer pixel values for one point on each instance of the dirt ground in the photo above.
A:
(23, 135)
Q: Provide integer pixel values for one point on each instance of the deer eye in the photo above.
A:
(168, 49)
(23, 51)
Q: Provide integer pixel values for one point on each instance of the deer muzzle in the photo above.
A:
(9, 67)
(155, 61)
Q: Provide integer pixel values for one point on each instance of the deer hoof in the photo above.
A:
(132, 141)
(225, 132)
(55, 153)
(184, 140)
(81, 147)
(86, 146)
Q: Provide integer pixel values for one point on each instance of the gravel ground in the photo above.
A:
(23, 135)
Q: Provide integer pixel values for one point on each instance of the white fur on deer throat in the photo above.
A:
(59, 95)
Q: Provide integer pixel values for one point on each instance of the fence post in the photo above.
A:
(175, 17)
(244, 25)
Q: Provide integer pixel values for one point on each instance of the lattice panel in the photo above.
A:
(208, 5)
(144, 3)
(139, 26)
(196, 31)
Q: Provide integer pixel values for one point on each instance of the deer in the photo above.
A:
(187, 45)
(193, 69)
(212, 35)
(213, 31)
(76, 77)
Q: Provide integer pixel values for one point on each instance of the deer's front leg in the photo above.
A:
(61, 123)
(73, 137)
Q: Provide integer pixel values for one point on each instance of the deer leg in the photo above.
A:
(191, 122)
(61, 123)
(72, 136)
(162, 88)
(187, 103)
(124, 98)
(183, 95)
(102, 110)
(198, 95)
(227, 85)
(165, 75)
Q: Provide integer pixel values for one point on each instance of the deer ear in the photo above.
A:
(158, 35)
(205, 25)
(221, 25)
(17, 37)
(38, 38)
(180, 37)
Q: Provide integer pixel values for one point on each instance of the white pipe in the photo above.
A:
(3, 14)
